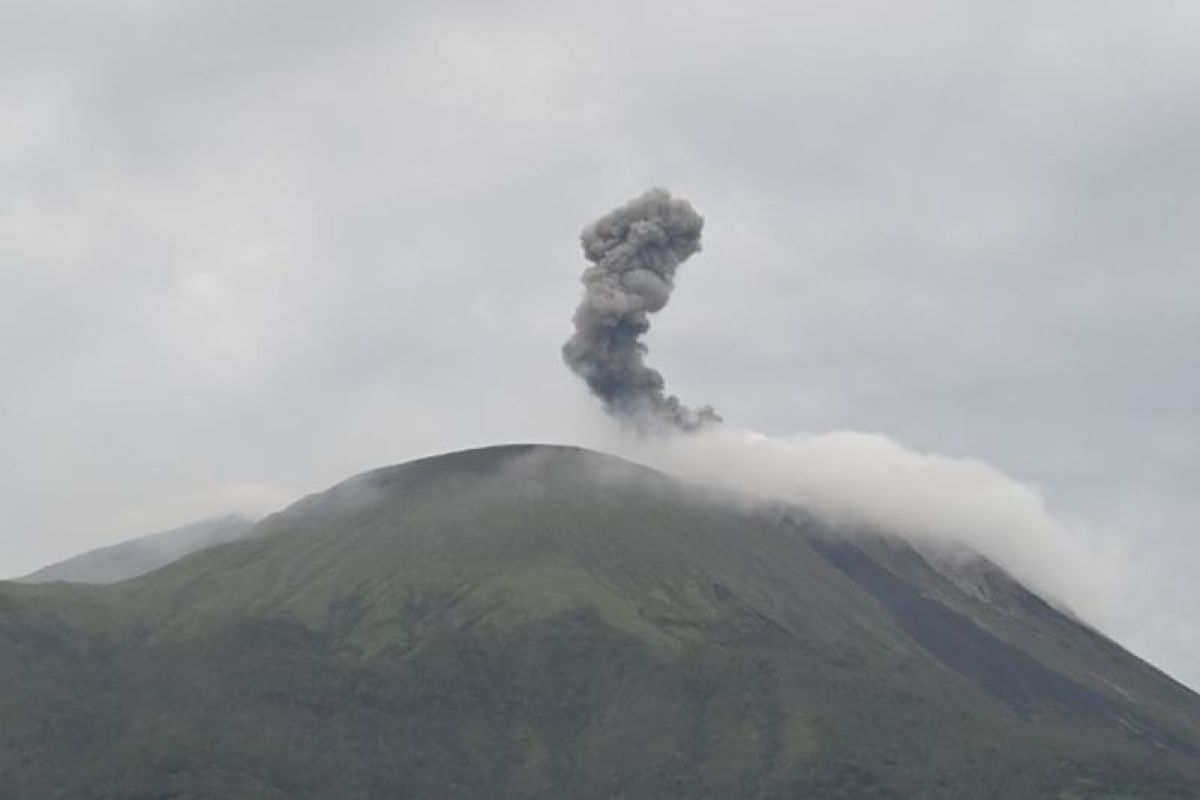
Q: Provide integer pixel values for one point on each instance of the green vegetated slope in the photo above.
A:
(544, 622)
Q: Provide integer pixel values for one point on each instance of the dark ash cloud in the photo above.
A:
(635, 251)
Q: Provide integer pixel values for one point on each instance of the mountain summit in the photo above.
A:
(535, 621)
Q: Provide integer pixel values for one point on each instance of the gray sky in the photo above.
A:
(249, 248)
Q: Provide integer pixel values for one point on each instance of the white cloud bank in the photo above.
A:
(930, 499)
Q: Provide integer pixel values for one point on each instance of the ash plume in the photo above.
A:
(634, 251)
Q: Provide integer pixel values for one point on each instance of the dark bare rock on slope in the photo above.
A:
(546, 622)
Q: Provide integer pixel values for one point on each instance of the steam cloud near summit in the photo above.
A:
(635, 251)
(939, 503)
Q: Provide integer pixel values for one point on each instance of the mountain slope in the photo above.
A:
(550, 622)
(138, 556)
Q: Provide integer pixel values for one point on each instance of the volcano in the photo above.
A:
(545, 622)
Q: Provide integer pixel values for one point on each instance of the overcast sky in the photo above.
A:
(249, 248)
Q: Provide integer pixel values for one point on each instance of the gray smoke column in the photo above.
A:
(634, 251)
